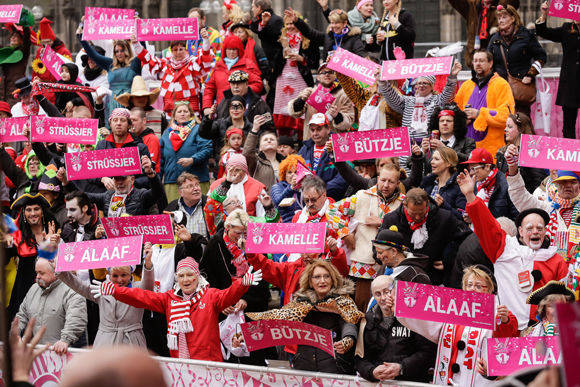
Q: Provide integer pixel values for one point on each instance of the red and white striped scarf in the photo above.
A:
(179, 322)
(486, 187)
(566, 209)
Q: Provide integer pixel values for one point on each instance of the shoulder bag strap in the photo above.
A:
(505, 63)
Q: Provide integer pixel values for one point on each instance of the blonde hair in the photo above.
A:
(284, 38)
(338, 16)
(477, 272)
(337, 279)
(128, 54)
(235, 14)
(236, 218)
(449, 156)
(549, 300)
(178, 104)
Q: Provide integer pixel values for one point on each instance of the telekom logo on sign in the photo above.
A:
(447, 305)
(565, 9)
(64, 130)
(184, 28)
(101, 163)
(10, 13)
(286, 237)
(413, 68)
(370, 144)
(100, 253)
(508, 355)
(550, 153)
(11, 129)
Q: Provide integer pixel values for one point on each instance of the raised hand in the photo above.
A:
(456, 69)
(250, 278)
(265, 199)
(182, 233)
(23, 350)
(102, 288)
(466, 184)
(147, 166)
(266, 16)
(147, 255)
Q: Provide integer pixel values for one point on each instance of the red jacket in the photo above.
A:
(152, 142)
(204, 341)
(286, 275)
(218, 82)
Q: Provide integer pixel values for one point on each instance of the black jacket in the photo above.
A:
(452, 195)
(569, 36)
(387, 340)
(69, 229)
(520, 53)
(254, 106)
(413, 269)
(533, 177)
(108, 143)
(445, 232)
(218, 268)
(350, 42)
(269, 36)
(469, 253)
(312, 57)
(404, 38)
(500, 203)
(215, 130)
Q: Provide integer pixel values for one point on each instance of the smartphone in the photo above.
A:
(267, 116)
(287, 202)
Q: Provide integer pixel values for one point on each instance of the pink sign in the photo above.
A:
(508, 355)
(11, 129)
(286, 237)
(52, 61)
(10, 13)
(99, 253)
(184, 28)
(301, 172)
(565, 9)
(156, 229)
(413, 68)
(64, 130)
(320, 99)
(550, 153)
(447, 305)
(101, 163)
(349, 64)
(371, 144)
(108, 23)
(568, 316)
(270, 333)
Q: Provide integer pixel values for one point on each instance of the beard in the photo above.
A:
(42, 283)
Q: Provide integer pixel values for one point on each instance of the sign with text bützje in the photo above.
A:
(413, 68)
(393, 142)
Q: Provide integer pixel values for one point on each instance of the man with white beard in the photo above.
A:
(522, 263)
(54, 305)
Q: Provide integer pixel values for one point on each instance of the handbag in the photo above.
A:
(523, 93)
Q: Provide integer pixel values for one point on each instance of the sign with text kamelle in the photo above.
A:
(393, 142)
(508, 355)
(354, 66)
(64, 130)
(413, 68)
(447, 305)
(101, 163)
(11, 129)
(271, 333)
(286, 237)
(549, 153)
(154, 228)
(99, 254)
(108, 23)
(565, 9)
(10, 13)
(184, 28)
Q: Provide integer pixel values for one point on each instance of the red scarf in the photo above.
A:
(488, 185)
(239, 260)
(294, 40)
(178, 136)
(416, 225)
(483, 26)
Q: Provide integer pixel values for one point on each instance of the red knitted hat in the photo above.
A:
(233, 41)
(45, 30)
(4, 107)
(189, 263)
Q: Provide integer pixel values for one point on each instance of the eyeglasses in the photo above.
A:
(236, 106)
(326, 72)
(473, 169)
(478, 287)
(320, 277)
(311, 200)
(422, 84)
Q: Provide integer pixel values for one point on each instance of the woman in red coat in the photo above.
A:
(192, 308)
(232, 59)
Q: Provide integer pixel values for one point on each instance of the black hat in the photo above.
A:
(238, 25)
(23, 86)
(529, 211)
(85, 57)
(552, 287)
(286, 140)
(391, 237)
(28, 199)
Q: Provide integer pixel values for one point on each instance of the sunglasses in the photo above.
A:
(236, 106)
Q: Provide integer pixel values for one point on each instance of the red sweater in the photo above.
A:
(204, 341)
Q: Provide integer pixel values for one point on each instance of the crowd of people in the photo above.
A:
(225, 140)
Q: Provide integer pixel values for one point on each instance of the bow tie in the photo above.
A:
(445, 142)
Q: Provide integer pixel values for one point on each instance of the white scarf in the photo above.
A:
(419, 120)
(370, 117)
(420, 236)
(237, 190)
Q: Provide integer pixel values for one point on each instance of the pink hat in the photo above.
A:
(189, 263)
(120, 112)
(362, 2)
(238, 160)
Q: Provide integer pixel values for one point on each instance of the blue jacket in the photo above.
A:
(194, 146)
(335, 184)
(451, 193)
(500, 203)
(281, 191)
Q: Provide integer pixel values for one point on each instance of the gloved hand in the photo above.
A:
(104, 288)
(250, 278)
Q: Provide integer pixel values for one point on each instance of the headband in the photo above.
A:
(232, 131)
(446, 113)
(120, 112)
(362, 2)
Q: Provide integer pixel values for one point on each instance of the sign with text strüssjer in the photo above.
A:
(101, 163)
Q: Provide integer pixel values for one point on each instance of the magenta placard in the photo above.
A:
(371, 144)
(52, 62)
(100, 253)
(354, 66)
(10, 13)
(550, 153)
(64, 130)
(270, 333)
(183, 28)
(413, 68)
(11, 129)
(447, 305)
(154, 228)
(286, 237)
(508, 355)
(101, 163)
(108, 23)
(568, 316)
(108, 14)
(320, 99)
(565, 9)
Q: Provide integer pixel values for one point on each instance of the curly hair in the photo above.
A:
(290, 162)
(459, 120)
(336, 278)
(128, 54)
